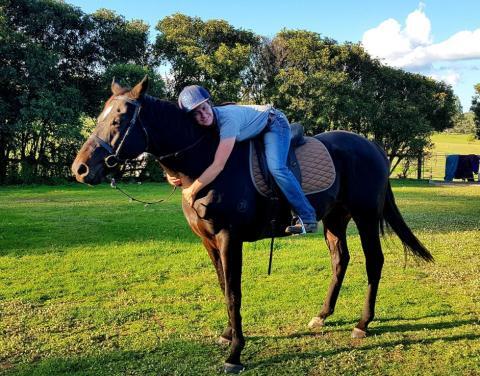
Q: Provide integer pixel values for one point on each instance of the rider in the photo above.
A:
(242, 122)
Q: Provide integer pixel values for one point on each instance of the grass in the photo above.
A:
(455, 144)
(91, 284)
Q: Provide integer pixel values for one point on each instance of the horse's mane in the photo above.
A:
(172, 130)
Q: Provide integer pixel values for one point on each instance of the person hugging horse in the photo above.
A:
(239, 123)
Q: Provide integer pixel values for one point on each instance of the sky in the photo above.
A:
(437, 38)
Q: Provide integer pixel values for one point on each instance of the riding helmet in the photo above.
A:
(192, 96)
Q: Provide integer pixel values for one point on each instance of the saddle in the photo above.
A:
(308, 159)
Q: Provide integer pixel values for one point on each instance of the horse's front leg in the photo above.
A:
(214, 254)
(231, 257)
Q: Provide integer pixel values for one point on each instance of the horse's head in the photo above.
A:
(119, 135)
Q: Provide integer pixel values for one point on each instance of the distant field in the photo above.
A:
(91, 284)
(455, 144)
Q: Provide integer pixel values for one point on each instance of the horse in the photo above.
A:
(230, 211)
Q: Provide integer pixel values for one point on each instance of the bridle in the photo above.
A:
(112, 159)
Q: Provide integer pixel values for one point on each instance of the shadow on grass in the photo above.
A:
(190, 357)
(409, 327)
(171, 357)
(55, 230)
(347, 325)
(296, 356)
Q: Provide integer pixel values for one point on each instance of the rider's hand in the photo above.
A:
(174, 180)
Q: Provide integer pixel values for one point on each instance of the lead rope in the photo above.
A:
(114, 185)
(271, 254)
(274, 211)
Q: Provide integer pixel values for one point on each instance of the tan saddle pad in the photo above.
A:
(316, 165)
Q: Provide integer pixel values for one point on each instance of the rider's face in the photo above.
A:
(203, 114)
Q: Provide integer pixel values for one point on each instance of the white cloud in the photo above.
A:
(418, 27)
(412, 46)
(451, 77)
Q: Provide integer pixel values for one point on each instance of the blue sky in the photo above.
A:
(438, 38)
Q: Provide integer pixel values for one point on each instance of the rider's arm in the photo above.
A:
(222, 154)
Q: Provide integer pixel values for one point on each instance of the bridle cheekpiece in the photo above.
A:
(113, 157)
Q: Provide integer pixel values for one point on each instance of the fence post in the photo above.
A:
(419, 167)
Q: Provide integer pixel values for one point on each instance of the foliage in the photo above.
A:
(52, 62)
(92, 284)
(464, 123)
(476, 110)
(128, 75)
(210, 53)
(328, 86)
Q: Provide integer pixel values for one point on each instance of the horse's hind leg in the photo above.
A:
(335, 227)
(372, 248)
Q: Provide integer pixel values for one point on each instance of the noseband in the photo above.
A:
(112, 159)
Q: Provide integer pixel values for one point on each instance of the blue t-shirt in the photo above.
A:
(241, 121)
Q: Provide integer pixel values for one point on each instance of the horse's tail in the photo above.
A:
(394, 219)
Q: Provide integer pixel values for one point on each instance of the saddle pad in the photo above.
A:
(318, 171)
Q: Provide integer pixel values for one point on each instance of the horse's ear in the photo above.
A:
(117, 89)
(139, 88)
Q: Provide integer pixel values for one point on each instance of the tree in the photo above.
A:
(476, 110)
(53, 58)
(295, 70)
(464, 124)
(211, 53)
(129, 74)
(328, 86)
(410, 107)
(36, 63)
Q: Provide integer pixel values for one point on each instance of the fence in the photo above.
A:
(432, 167)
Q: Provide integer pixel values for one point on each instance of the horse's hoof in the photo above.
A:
(233, 368)
(316, 322)
(224, 341)
(358, 333)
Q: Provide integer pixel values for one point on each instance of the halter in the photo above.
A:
(112, 159)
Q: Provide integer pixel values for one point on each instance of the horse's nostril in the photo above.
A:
(82, 169)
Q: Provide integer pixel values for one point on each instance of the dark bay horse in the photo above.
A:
(230, 211)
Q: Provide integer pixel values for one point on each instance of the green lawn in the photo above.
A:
(455, 144)
(91, 284)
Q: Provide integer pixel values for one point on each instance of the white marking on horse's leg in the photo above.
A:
(358, 333)
(316, 322)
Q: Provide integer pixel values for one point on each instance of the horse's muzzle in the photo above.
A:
(80, 170)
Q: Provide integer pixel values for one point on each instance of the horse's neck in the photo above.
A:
(170, 131)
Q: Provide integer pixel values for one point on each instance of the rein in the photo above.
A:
(180, 152)
(114, 185)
